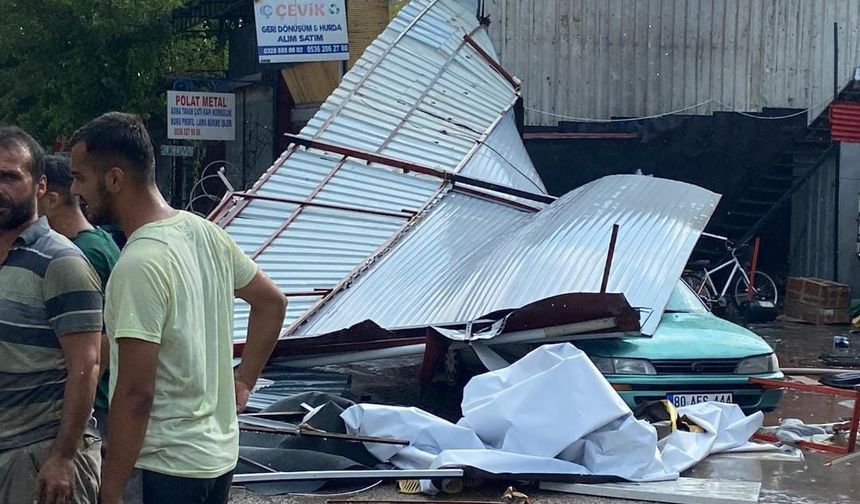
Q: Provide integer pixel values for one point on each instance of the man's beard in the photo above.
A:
(101, 215)
(16, 214)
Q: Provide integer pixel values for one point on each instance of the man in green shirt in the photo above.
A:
(169, 316)
(64, 215)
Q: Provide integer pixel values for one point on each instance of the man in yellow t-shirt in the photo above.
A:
(168, 312)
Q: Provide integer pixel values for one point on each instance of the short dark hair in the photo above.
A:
(58, 172)
(13, 137)
(117, 136)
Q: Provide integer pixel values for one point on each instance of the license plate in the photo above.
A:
(680, 400)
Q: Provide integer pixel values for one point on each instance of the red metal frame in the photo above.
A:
(817, 389)
(372, 157)
(361, 267)
(332, 206)
(316, 292)
(493, 63)
(753, 266)
(237, 209)
(298, 211)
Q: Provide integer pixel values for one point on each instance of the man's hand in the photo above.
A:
(56, 481)
(243, 392)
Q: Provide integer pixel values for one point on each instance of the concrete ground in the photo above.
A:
(809, 482)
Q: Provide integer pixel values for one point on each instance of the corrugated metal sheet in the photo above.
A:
(288, 382)
(605, 58)
(419, 94)
(469, 257)
(505, 146)
(812, 224)
(845, 122)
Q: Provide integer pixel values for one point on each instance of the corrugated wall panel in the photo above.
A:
(604, 58)
(812, 236)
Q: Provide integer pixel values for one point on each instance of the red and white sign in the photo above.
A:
(201, 116)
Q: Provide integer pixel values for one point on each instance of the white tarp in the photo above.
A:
(552, 413)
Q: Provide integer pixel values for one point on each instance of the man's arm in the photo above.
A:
(268, 307)
(129, 413)
(135, 311)
(81, 352)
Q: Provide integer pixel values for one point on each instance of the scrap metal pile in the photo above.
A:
(407, 217)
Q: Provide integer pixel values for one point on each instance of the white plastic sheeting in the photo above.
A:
(551, 413)
(726, 427)
(468, 256)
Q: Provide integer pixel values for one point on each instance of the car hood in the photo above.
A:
(684, 336)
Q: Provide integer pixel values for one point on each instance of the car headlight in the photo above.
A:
(758, 365)
(608, 365)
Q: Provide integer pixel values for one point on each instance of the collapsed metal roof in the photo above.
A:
(469, 257)
(428, 92)
(410, 200)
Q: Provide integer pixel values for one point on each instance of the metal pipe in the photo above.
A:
(495, 199)
(331, 475)
(836, 158)
(716, 237)
(812, 371)
(255, 464)
(609, 255)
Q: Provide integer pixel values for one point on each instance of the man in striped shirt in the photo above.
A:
(50, 327)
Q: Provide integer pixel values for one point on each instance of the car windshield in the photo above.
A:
(684, 300)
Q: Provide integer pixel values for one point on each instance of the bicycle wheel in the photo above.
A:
(764, 289)
(696, 281)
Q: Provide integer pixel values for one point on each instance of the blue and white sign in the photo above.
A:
(289, 31)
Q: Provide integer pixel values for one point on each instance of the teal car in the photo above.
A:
(693, 356)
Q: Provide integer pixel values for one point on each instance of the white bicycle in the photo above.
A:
(701, 279)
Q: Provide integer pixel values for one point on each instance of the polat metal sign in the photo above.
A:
(201, 116)
(301, 30)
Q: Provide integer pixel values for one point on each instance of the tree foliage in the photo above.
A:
(63, 62)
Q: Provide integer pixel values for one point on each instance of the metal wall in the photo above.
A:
(605, 58)
(812, 210)
(812, 226)
(849, 212)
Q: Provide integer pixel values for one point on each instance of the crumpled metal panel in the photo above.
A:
(504, 146)
(470, 257)
(419, 94)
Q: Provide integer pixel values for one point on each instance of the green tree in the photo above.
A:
(63, 62)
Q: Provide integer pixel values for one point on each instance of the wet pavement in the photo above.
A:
(394, 381)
